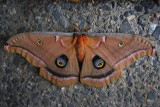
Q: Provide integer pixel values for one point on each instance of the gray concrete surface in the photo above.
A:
(20, 84)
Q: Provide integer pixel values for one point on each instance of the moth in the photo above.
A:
(95, 59)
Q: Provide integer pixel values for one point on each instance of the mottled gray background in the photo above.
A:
(20, 84)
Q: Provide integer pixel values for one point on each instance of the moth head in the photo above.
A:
(61, 61)
(121, 44)
(98, 62)
(39, 42)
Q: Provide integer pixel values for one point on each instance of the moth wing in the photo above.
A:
(117, 52)
(42, 49)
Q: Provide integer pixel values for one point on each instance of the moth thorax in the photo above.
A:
(80, 47)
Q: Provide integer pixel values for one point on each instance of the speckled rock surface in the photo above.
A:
(20, 83)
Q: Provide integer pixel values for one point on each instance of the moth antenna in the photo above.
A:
(74, 26)
(87, 28)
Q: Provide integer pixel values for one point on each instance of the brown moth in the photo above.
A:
(95, 59)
